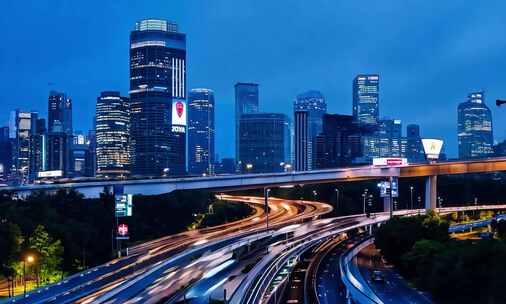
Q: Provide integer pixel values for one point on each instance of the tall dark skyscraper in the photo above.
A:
(385, 141)
(301, 140)
(414, 149)
(22, 128)
(59, 110)
(246, 102)
(158, 98)
(112, 134)
(201, 131)
(339, 142)
(366, 99)
(60, 133)
(475, 128)
(5, 153)
(264, 142)
(314, 104)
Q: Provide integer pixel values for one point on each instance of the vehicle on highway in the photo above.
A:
(377, 277)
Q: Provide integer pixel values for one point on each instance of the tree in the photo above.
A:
(10, 247)
(49, 253)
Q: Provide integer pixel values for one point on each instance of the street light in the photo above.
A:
(337, 200)
(29, 259)
(266, 197)
(411, 189)
(364, 195)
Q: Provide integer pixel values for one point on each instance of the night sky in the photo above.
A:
(429, 54)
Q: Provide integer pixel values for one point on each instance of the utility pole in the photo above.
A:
(337, 200)
(266, 198)
(411, 189)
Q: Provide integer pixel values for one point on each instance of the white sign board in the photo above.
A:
(179, 113)
(55, 173)
(389, 161)
(432, 148)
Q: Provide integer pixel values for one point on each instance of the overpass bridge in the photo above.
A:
(254, 181)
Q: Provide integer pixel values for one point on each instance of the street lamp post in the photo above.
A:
(364, 196)
(337, 200)
(411, 189)
(29, 259)
(266, 197)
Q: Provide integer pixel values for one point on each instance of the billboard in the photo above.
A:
(389, 161)
(179, 113)
(123, 205)
(432, 148)
(54, 173)
(122, 233)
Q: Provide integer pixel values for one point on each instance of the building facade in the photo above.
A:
(475, 135)
(201, 131)
(59, 112)
(5, 153)
(59, 154)
(22, 128)
(246, 102)
(112, 131)
(366, 99)
(314, 104)
(414, 147)
(264, 142)
(301, 140)
(158, 98)
(338, 143)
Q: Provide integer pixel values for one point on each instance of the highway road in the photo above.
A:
(161, 260)
(394, 289)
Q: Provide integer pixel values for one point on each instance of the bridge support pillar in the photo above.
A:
(386, 204)
(431, 192)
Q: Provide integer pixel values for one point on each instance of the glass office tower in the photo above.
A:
(314, 104)
(246, 102)
(201, 131)
(158, 98)
(366, 99)
(264, 142)
(112, 132)
(475, 128)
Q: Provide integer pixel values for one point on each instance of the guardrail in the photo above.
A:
(359, 292)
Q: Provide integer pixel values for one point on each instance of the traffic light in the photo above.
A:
(499, 102)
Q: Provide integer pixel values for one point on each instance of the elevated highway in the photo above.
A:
(255, 181)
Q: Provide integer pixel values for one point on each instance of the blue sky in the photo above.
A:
(429, 54)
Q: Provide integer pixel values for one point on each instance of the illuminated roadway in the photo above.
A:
(155, 260)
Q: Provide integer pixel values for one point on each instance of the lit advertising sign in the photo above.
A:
(432, 148)
(179, 113)
(55, 173)
(122, 232)
(389, 161)
(123, 205)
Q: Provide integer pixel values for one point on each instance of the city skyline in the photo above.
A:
(407, 87)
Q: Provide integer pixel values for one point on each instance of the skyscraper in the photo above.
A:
(112, 134)
(366, 99)
(59, 130)
(22, 127)
(475, 127)
(59, 110)
(414, 149)
(5, 153)
(339, 142)
(264, 142)
(201, 131)
(314, 104)
(246, 102)
(384, 141)
(158, 98)
(301, 140)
